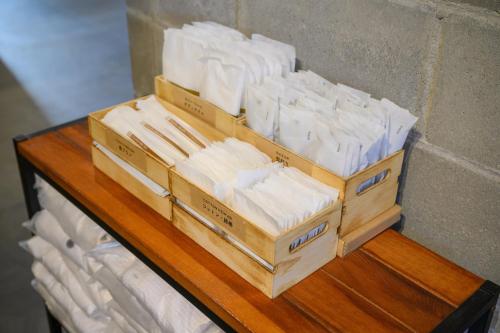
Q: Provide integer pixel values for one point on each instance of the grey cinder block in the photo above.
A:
(453, 208)
(145, 38)
(465, 114)
(377, 46)
(148, 7)
(178, 12)
(489, 4)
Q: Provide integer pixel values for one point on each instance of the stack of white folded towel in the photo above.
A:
(220, 62)
(93, 284)
(271, 196)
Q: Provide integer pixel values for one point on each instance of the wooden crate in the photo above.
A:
(161, 204)
(126, 149)
(191, 102)
(141, 159)
(359, 208)
(270, 248)
(272, 279)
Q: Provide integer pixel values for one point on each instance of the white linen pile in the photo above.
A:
(152, 126)
(271, 196)
(341, 128)
(91, 283)
(220, 62)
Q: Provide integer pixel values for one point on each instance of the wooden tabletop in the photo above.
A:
(391, 284)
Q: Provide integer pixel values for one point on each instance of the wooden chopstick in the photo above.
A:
(186, 132)
(144, 146)
(164, 137)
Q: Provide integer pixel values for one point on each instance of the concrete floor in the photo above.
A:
(59, 60)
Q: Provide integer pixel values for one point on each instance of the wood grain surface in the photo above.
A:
(391, 284)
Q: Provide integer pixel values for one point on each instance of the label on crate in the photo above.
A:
(193, 104)
(198, 109)
(218, 213)
(284, 156)
(126, 150)
(291, 160)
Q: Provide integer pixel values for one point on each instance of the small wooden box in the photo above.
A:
(191, 102)
(359, 208)
(133, 154)
(161, 204)
(270, 263)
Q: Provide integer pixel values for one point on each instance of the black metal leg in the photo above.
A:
(27, 173)
(482, 325)
(475, 313)
(54, 325)
(27, 179)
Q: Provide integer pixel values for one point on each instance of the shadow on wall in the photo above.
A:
(413, 137)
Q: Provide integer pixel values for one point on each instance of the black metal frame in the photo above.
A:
(474, 314)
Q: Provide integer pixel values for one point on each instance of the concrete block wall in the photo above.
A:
(439, 59)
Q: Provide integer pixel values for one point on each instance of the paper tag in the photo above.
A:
(281, 157)
(218, 213)
(289, 159)
(192, 104)
(126, 150)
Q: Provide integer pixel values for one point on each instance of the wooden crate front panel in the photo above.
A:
(223, 216)
(361, 210)
(285, 274)
(273, 249)
(329, 217)
(162, 205)
(303, 263)
(191, 102)
(391, 165)
(241, 263)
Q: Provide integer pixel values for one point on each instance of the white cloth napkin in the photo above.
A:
(245, 179)
(339, 127)
(220, 62)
